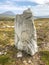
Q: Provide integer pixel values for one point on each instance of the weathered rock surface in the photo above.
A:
(25, 33)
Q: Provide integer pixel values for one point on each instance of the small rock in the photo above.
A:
(24, 61)
(19, 54)
(5, 53)
(29, 61)
(0, 53)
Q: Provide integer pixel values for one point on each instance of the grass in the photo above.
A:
(7, 59)
(4, 59)
(7, 38)
(42, 26)
(45, 57)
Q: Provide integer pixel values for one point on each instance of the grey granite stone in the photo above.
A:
(25, 32)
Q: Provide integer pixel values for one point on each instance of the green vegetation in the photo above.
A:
(42, 26)
(7, 18)
(7, 59)
(4, 59)
(7, 39)
(45, 57)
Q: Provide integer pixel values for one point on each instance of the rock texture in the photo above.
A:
(25, 33)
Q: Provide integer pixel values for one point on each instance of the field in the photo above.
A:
(8, 50)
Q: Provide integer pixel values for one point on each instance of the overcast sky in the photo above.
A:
(39, 7)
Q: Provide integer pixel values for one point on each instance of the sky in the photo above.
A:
(38, 7)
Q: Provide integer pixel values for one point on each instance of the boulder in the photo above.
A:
(25, 32)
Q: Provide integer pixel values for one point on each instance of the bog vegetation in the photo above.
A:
(7, 49)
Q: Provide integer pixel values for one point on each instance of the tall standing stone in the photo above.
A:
(25, 33)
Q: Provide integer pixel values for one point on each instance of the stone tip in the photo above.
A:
(27, 11)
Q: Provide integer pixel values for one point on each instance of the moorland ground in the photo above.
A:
(8, 56)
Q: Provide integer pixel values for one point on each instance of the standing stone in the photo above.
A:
(25, 33)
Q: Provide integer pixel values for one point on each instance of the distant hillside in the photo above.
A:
(7, 15)
(37, 17)
(10, 15)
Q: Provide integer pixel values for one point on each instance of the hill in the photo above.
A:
(7, 15)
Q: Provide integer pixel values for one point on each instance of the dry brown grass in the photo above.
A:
(7, 39)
